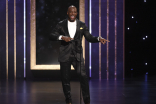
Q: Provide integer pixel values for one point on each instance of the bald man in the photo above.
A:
(70, 32)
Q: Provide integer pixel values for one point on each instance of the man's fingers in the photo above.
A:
(71, 39)
(67, 39)
(107, 40)
(103, 42)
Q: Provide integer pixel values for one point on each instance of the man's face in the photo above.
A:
(72, 13)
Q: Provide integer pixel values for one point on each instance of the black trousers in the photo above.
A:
(65, 76)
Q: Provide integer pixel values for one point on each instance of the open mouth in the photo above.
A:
(72, 17)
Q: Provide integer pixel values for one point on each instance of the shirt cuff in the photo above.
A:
(60, 37)
(98, 38)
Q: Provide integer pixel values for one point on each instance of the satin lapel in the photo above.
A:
(77, 29)
(66, 28)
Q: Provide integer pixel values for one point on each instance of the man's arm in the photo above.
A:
(55, 34)
(92, 38)
(88, 36)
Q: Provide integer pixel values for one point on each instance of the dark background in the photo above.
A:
(48, 14)
(139, 51)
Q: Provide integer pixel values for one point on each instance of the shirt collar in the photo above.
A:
(71, 22)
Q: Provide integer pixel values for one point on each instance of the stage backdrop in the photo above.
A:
(44, 17)
(26, 51)
(48, 14)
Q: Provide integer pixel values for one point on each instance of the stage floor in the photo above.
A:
(128, 91)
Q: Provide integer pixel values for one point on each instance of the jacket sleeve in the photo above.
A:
(88, 36)
(54, 35)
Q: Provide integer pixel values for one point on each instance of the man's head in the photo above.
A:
(72, 13)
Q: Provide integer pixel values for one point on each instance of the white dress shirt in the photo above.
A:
(72, 30)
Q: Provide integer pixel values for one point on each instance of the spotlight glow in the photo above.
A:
(146, 36)
(143, 38)
(132, 16)
(145, 63)
(128, 28)
(24, 38)
(90, 30)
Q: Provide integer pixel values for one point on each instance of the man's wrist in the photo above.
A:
(62, 37)
(100, 38)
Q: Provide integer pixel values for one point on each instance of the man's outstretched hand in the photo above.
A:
(66, 38)
(103, 41)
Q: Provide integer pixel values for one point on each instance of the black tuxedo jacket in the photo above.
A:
(75, 45)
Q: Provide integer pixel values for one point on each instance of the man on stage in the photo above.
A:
(70, 32)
